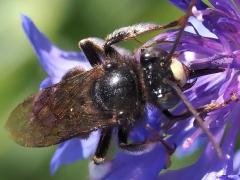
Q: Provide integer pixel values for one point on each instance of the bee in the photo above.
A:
(112, 95)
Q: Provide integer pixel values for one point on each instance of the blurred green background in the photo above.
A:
(65, 22)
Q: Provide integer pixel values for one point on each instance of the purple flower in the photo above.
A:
(216, 45)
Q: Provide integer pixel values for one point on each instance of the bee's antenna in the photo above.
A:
(196, 116)
(183, 21)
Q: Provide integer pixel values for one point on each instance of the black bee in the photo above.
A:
(113, 94)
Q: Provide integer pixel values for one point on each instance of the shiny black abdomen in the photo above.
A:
(117, 91)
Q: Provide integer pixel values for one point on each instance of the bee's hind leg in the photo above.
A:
(103, 146)
(131, 32)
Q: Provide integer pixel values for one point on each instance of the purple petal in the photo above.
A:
(53, 60)
(134, 167)
(200, 47)
(46, 83)
(236, 162)
(226, 6)
(73, 150)
(202, 30)
(225, 27)
(183, 4)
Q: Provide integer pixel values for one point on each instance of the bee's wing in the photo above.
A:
(59, 112)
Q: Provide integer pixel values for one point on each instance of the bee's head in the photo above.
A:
(156, 63)
(154, 55)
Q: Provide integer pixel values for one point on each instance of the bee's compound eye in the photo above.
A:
(152, 54)
(146, 57)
